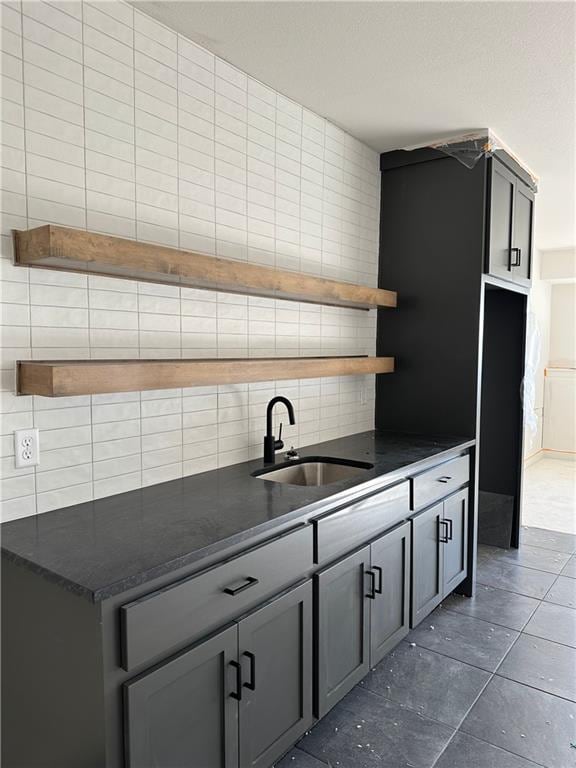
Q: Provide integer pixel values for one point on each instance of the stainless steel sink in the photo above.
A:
(314, 470)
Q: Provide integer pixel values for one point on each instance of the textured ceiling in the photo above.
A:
(398, 73)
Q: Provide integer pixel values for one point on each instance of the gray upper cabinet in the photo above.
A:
(343, 642)
(275, 653)
(523, 227)
(427, 562)
(456, 548)
(183, 713)
(389, 614)
(511, 218)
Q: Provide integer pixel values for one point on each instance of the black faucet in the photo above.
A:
(271, 445)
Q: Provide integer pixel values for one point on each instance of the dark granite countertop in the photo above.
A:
(104, 547)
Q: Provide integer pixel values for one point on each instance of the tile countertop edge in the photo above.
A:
(302, 514)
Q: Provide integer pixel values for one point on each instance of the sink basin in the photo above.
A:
(313, 470)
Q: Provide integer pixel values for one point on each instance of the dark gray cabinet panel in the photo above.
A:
(439, 553)
(503, 185)
(456, 548)
(523, 225)
(511, 215)
(438, 482)
(343, 641)
(427, 562)
(182, 714)
(390, 611)
(339, 532)
(275, 651)
(171, 618)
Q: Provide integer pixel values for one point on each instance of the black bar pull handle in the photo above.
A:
(372, 593)
(378, 587)
(449, 523)
(444, 479)
(237, 694)
(517, 260)
(235, 589)
(252, 684)
(443, 532)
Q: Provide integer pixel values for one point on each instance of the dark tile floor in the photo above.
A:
(487, 682)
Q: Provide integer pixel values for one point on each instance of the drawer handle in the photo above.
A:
(443, 534)
(444, 479)
(246, 584)
(252, 684)
(378, 587)
(372, 593)
(517, 260)
(237, 694)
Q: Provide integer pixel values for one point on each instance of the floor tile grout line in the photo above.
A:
(534, 687)
(522, 594)
(538, 637)
(498, 559)
(502, 626)
(496, 746)
(407, 708)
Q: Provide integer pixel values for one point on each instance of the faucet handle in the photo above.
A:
(278, 444)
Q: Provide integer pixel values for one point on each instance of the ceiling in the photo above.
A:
(395, 74)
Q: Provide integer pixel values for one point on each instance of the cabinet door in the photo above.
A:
(183, 713)
(427, 562)
(522, 241)
(389, 614)
(503, 185)
(456, 548)
(275, 646)
(343, 642)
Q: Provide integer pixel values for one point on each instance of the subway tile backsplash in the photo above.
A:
(115, 123)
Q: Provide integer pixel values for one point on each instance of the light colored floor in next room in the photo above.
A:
(550, 495)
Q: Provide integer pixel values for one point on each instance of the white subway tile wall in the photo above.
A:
(115, 123)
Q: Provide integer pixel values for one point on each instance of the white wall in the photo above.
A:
(537, 351)
(558, 264)
(560, 387)
(563, 326)
(116, 124)
(559, 433)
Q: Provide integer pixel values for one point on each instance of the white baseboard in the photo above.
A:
(547, 453)
(534, 458)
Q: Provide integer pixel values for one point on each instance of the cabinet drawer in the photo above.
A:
(344, 530)
(440, 481)
(169, 619)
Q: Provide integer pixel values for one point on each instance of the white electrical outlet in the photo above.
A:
(26, 447)
(363, 396)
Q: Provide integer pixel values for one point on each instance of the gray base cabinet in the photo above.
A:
(439, 553)
(275, 651)
(390, 613)
(343, 643)
(455, 549)
(427, 562)
(241, 698)
(226, 664)
(183, 713)
(362, 612)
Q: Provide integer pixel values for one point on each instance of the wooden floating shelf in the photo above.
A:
(64, 378)
(74, 250)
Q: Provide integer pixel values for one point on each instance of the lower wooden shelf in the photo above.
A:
(64, 378)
